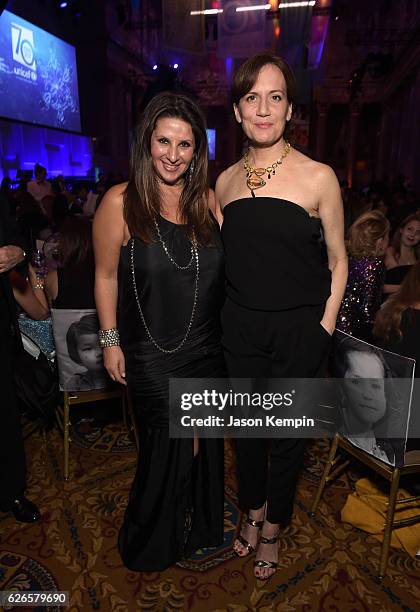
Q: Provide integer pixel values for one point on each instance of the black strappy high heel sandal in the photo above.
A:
(267, 564)
(243, 541)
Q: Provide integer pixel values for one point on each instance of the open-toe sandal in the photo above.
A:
(267, 564)
(240, 538)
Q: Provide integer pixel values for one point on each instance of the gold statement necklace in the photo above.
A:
(254, 176)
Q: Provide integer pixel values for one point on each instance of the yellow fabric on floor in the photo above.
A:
(366, 509)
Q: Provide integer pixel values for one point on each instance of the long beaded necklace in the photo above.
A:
(194, 256)
(254, 176)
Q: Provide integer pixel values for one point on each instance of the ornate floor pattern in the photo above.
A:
(325, 565)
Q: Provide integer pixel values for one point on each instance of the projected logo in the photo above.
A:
(23, 46)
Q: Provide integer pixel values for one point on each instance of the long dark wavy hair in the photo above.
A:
(142, 198)
(75, 242)
(388, 318)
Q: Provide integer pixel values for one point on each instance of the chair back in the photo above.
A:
(78, 353)
(375, 397)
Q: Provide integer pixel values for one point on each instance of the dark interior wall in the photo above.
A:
(88, 34)
(367, 144)
(337, 135)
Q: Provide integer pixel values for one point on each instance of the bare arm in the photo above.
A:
(332, 217)
(51, 285)
(108, 236)
(32, 301)
(390, 262)
(388, 289)
(390, 259)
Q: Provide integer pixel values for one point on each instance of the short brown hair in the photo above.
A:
(248, 72)
(365, 232)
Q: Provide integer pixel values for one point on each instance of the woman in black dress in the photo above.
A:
(159, 257)
(403, 253)
(282, 298)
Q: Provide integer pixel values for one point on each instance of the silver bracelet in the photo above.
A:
(109, 337)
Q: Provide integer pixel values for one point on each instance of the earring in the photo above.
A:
(191, 169)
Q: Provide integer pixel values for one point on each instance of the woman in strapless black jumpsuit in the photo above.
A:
(176, 500)
(277, 286)
(283, 288)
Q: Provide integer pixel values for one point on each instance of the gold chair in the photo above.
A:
(392, 473)
(81, 397)
(78, 383)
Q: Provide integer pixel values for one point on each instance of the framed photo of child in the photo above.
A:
(375, 399)
(79, 356)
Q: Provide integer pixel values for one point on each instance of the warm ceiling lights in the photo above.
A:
(257, 7)
(285, 5)
(207, 12)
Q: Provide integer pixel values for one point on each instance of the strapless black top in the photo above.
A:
(166, 294)
(395, 276)
(275, 257)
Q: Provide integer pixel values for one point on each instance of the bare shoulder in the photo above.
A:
(390, 258)
(225, 177)
(225, 181)
(108, 221)
(114, 196)
(317, 171)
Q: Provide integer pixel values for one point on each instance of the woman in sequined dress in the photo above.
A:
(159, 257)
(368, 240)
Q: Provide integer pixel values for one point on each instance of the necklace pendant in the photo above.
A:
(259, 171)
(255, 182)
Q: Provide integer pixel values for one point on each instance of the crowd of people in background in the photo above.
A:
(382, 300)
(383, 238)
(41, 205)
(382, 230)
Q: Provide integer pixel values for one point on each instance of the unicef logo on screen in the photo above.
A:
(23, 46)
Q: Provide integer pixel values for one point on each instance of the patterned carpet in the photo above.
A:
(325, 565)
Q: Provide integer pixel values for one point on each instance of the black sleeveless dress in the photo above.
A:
(176, 501)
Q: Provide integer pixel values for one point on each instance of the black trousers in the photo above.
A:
(265, 344)
(12, 453)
